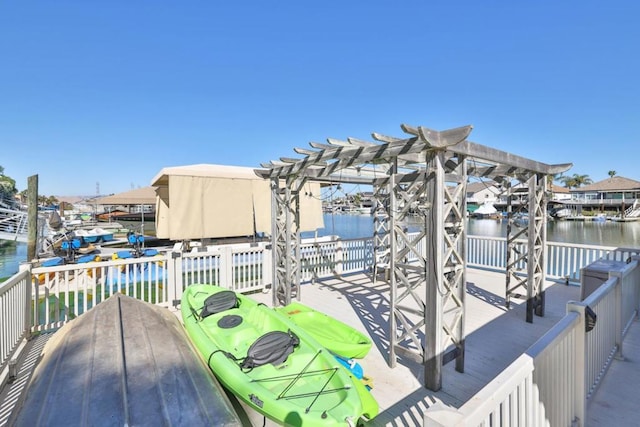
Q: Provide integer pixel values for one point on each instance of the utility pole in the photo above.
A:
(95, 216)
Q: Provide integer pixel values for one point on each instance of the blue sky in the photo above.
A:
(110, 92)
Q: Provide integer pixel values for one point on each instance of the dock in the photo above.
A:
(495, 337)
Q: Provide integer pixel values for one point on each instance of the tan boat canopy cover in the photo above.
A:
(139, 196)
(212, 201)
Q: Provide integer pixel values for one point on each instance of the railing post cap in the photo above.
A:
(440, 415)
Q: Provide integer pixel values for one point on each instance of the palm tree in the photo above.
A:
(576, 180)
(568, 181)
(582, 180)
(612, 174)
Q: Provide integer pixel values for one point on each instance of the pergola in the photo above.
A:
(425, 172)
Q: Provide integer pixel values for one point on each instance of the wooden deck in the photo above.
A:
(495, 337)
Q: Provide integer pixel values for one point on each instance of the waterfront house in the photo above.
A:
(481, 192)
(559, 194)
(612, 188)
(613, 195)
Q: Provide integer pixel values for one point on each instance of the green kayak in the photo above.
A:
(334, 335)
(270, 363)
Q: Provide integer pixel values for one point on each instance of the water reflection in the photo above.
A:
(487, 227)
(346, 226)
(595, 233)
(11, 255)
(583, 232)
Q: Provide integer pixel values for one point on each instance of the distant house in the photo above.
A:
(481, 192)
(614, 196)
(560, 194)
(616, 188)
(134, 205)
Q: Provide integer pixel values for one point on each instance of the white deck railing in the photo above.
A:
(15, 325)
(563, 260)
(328, 256)
(66, 291)
(551, 383)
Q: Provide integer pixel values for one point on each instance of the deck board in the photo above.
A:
(616, 402)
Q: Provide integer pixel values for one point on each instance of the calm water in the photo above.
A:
(11, 255)
(588, 232)
(358, 226)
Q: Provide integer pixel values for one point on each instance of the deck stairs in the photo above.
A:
(632, 211)
(14, 224)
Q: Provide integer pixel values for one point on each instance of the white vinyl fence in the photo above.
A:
(64, 292)
(563, 260)
(15, 325)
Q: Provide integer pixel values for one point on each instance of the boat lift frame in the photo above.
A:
(425, 172)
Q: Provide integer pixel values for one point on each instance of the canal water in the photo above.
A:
(618, 234)
(11, 255)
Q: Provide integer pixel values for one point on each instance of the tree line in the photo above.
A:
(8, 191)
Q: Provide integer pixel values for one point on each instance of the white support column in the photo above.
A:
(619, 313)
(174, 271)
(227, 275)
(579, 365)
(26, 266)
(393, 291)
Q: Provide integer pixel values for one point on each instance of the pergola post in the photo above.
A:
(381, 229)
(393, 288)
(537, 246)
(446, 267)
(525, 261)
(434, 274)
(285, 209)
(516, 251)
(408, 266)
